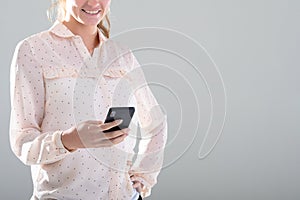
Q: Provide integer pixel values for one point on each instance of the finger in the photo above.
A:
(136, 184)
(110, 142)
(131, 172)
(118, 139)
(133, 178)
(109, 125)
(139, 189)
(95, 122)
(115, 134)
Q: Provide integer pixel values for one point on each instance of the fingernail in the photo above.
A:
(120, 121)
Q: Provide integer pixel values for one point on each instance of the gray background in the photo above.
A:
(255, 45)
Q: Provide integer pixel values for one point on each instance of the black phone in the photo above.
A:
(115, 113)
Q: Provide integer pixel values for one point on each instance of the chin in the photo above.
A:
(90, 23)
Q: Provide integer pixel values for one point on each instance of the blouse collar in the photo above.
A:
(60, 30)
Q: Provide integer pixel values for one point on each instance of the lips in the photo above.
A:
(91, 12)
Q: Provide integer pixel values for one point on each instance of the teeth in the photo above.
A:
(91, 12)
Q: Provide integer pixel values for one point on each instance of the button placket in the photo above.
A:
(81, 48)
(90, 62)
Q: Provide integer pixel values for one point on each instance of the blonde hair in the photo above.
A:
(57, 11)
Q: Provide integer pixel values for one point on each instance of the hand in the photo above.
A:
(89, 134)
(136, 183)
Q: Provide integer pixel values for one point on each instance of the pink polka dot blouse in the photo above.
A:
(55, 84)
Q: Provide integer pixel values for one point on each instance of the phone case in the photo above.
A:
(115, 113)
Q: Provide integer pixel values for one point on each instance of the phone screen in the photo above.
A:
(115, 113)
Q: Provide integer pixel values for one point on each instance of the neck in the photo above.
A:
(89, 34)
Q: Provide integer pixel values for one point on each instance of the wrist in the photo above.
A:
(67, 138)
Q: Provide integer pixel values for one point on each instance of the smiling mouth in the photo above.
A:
(91, 12)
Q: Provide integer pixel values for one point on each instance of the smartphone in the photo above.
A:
(115, 113)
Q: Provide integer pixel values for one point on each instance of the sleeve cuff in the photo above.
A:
(58, 142)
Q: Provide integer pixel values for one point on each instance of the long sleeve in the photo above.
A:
(27, 140)
(153, 126)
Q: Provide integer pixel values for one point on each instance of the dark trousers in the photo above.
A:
(140, 198)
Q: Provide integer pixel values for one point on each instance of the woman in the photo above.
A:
(63, 81)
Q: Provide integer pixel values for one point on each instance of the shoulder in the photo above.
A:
(116, 46)
(119, 51)
(30, 42)
(119, 56)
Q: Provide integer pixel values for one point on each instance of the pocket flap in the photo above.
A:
(60, 73)
(115, 72)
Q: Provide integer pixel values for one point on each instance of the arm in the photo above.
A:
(27, 140)
(153, 124)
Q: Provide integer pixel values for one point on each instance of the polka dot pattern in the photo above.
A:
(55, 84)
